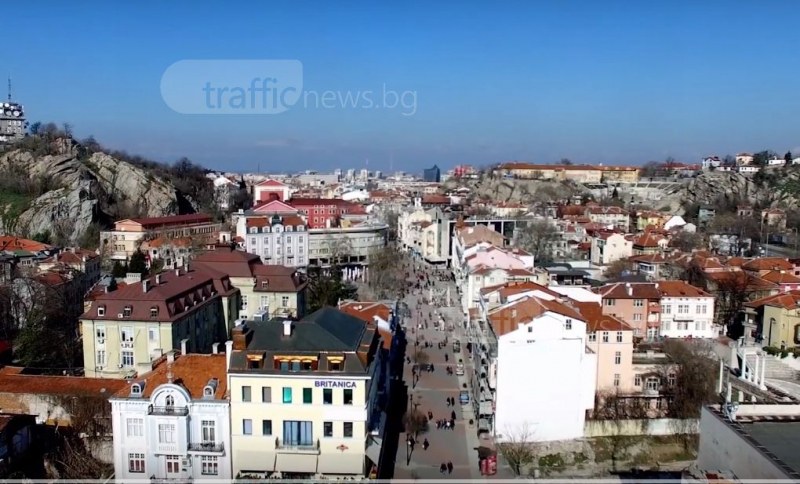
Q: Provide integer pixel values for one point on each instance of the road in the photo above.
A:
(460, 445)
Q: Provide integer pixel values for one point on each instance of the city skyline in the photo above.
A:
(621, 83)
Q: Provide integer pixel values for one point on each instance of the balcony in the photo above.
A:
(207, 448)
(312, 448)
(168, 411)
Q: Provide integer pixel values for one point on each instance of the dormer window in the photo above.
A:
(264, 284)
(335, 365)
(126, 311)
(253, 230)
(101, 310)
(169, 401)
(208, 392)
(154, 312)
(136, 390)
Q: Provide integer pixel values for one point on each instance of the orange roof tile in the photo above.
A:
(12, 380)
(191, 371)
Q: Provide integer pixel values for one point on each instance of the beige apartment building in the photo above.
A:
(125, 329)
(304, 397)
(266, 290)
(128, 234)
(611, 339)
(636, 303)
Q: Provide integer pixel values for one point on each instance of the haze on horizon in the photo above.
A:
(618, 82)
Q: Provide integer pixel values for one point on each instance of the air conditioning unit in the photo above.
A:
(186, 463)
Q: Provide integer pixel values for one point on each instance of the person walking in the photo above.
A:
(449, 467)
(446, 357)
(443, 468)
(425, 444)
(453, 415)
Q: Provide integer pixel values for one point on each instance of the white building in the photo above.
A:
(609, 247)
(352, 242)
(174, 422)
(686, 311)
(550, 356)
(305, 397)
(749, 169)
(277, 239)
(222, 191)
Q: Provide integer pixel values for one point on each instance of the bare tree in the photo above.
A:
(618, 268)
(420, 359)
(385, 277)
(415, 422)
(516, 447)
(538, 237)
(618, 411)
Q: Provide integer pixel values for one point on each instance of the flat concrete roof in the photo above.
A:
(782, 439)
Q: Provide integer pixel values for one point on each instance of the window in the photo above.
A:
(609, 302)
(266, 394)
(152, 335)
(530, 329)
(652, 383)
(135, 427)
(166, 433)
(246, 394)
(296, 365)
(100, 331)
(299, 239)
(592, 337)
(101, 310)
(266, 427)
(637, 317)
(334, 365)
(348, 429)
(307, 395)
(666, 326)
(169, 401)
(127, 358)
(568, 324)
(173, 464)
(285, 301)
(100, 360)
(327, 396)
(296, 432)
(666, 309)
(209, 465)
(208, 429)
(136, 463)
(618, 358)
(154, 312)
(348, 396)
(244, 302)
(287, 395)
(701, 309)
(616, 379)
(247, 427)
(619, 336)
(605, 336)
(126, 335)
(637, 303)
(683, 309)
(126, 311)
(327, 429)
(637, 380)
(671, 380)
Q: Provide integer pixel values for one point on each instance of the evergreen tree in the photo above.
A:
(138, 263)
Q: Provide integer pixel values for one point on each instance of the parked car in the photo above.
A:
(459, 370)
(463, 397)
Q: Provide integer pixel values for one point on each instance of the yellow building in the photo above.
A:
(625, 174)
(128, 327)
(304, 396)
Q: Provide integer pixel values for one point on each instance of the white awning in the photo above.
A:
(305, 463)
(349, 463)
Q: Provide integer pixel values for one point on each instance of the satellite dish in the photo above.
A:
(8, 113)
(16, 113)
(5, 105)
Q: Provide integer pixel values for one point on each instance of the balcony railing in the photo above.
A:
(211, 447)
(312, 448)
(168, 410)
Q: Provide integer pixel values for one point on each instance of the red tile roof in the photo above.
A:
(768, 263)
(506, 318)
(630, 290)
(191, 371)
(781, 277)
(366, 311)
(277, 279)
(173, 297)
(12, 243)
(597, 321)
(235, 263)
(786, 300)
(270, 183)
(13, 381)
(680, 289)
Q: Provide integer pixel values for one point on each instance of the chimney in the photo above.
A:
(158, 279)
(287, 328)
(241, 334)
(630, 290)
(215, 349)
(145, 284)
(171, 357)
(228, 351)
(184, 343)
(177, 271)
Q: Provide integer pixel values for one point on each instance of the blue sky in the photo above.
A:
(613, 82)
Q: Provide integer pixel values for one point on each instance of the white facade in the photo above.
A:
(354, 244)
(683, 317)
(609, 249)
(170, 435)
(276, 244)
(548, 354)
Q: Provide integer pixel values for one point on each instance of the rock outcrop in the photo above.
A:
(85, 189)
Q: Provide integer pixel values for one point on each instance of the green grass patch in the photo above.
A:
(12, 205)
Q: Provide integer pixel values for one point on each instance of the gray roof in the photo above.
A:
(781, 439)
(326, 331)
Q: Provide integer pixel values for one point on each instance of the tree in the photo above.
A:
(119, 269)
(420, 359)
(565, 161)
(516, 447)
(385, 277)
(392, 218)
(617, 410)
(327, 288)
(35, 128)
(650, 169)
(731, 292)
(761, 158)
(618, 268)
(687, 241)
(43, 237)
(538, 238)
(138, 263)
(415, 422)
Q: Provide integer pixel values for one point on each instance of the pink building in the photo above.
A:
(611, 339)
(268, 190)
(636, 303)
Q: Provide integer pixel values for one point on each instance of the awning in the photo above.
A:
(349, 463)
(486, 408)
(305, 463)
(373, 452)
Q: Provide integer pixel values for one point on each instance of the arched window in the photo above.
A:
(170, 401)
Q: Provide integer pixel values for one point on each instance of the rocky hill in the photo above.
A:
(72, 192)
(771, 187)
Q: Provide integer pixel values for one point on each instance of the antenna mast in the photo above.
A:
(9, 88)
